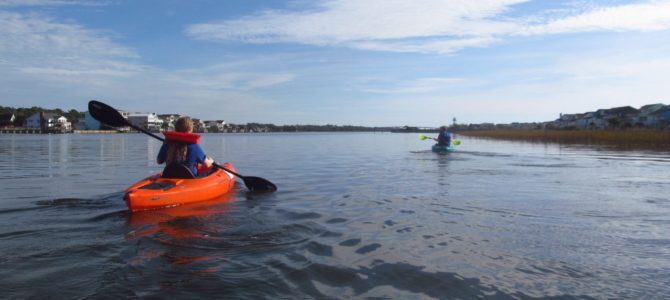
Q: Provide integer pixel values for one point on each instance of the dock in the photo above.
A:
(23, 131)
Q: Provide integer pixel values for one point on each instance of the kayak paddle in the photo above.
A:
(424, 137)
(111, 117)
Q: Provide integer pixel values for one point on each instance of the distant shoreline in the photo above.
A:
(643, 138)
(630, 138)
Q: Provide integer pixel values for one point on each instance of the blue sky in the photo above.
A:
(344, 62)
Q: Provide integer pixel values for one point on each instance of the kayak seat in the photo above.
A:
(179, 171)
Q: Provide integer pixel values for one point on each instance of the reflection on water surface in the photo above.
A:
(357, 215)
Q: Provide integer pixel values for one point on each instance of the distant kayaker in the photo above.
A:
(444, 137)
(181, 147)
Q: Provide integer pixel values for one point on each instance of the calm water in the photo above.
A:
(357, 215)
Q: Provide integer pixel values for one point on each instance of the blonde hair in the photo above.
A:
(176, 151)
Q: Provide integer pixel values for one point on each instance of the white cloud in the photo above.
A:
(649, 16)
(428, 26)
(38, 40)
(379, 25)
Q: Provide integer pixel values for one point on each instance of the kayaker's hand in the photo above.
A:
(208, 161)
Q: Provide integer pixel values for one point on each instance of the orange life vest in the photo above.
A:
(184, 137)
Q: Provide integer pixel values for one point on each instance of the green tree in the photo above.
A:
(73, 116)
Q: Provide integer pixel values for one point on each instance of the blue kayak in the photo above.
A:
(442, 148)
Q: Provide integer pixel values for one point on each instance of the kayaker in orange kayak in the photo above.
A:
(181, 147)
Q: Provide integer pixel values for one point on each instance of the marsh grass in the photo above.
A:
(634, 138)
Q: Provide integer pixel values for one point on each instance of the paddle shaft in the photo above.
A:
(454, 141)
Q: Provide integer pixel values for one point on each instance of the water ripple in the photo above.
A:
(357, 216)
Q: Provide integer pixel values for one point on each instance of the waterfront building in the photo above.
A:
(653, 116)
(219, 125)
(35, 120)
(148, 121)
(51, 122)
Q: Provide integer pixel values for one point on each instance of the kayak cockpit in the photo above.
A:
(159, 185)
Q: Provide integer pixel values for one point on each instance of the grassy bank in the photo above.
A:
(627, 138)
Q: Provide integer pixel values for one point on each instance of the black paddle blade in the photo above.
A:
(106, 114)
(257, 184)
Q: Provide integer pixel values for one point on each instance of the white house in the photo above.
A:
(219, 124)
(62, 124)
(148, 121)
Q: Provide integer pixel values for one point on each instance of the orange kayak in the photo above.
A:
(157, 192)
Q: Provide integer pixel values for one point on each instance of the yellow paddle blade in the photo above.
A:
(422, 137)
(456, 142)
